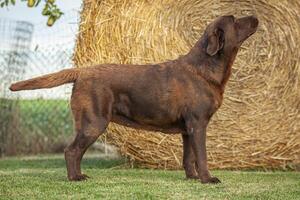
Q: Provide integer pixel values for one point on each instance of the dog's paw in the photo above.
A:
(78, 177)
(211, 180)
(85, 176)
(192, 177)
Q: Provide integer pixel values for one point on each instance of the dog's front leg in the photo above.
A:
(188, 158)
(198, 143)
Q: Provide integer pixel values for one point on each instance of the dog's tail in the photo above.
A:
(47, 81)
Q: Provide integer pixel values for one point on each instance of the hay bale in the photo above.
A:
(258, 124)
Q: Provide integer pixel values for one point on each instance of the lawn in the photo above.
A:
(44, 177)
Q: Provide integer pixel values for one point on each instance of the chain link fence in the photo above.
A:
(36, 121)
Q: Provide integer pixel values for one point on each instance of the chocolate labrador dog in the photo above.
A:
(179, 96)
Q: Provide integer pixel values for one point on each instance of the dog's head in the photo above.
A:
(227, 33)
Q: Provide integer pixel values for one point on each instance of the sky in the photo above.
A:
(21, 12)
(63, 31)
(51, 47)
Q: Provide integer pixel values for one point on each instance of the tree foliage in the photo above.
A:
(50, 9)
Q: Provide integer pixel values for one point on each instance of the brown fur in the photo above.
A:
(178, 96)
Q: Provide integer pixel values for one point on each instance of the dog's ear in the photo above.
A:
(215, 41)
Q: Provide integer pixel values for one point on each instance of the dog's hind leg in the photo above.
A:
(189, 159)
(92, 114)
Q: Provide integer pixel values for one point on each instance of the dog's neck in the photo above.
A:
(215, 69)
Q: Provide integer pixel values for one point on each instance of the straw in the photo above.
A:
(258, 124)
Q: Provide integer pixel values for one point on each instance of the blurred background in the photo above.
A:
(35, 121)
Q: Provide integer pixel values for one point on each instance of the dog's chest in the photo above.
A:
(146, 109)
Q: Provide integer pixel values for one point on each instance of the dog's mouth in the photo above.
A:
(246, 27)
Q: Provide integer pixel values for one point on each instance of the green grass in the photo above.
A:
(49, 118)
(44, 177)
(45, 117)
(34, 126)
